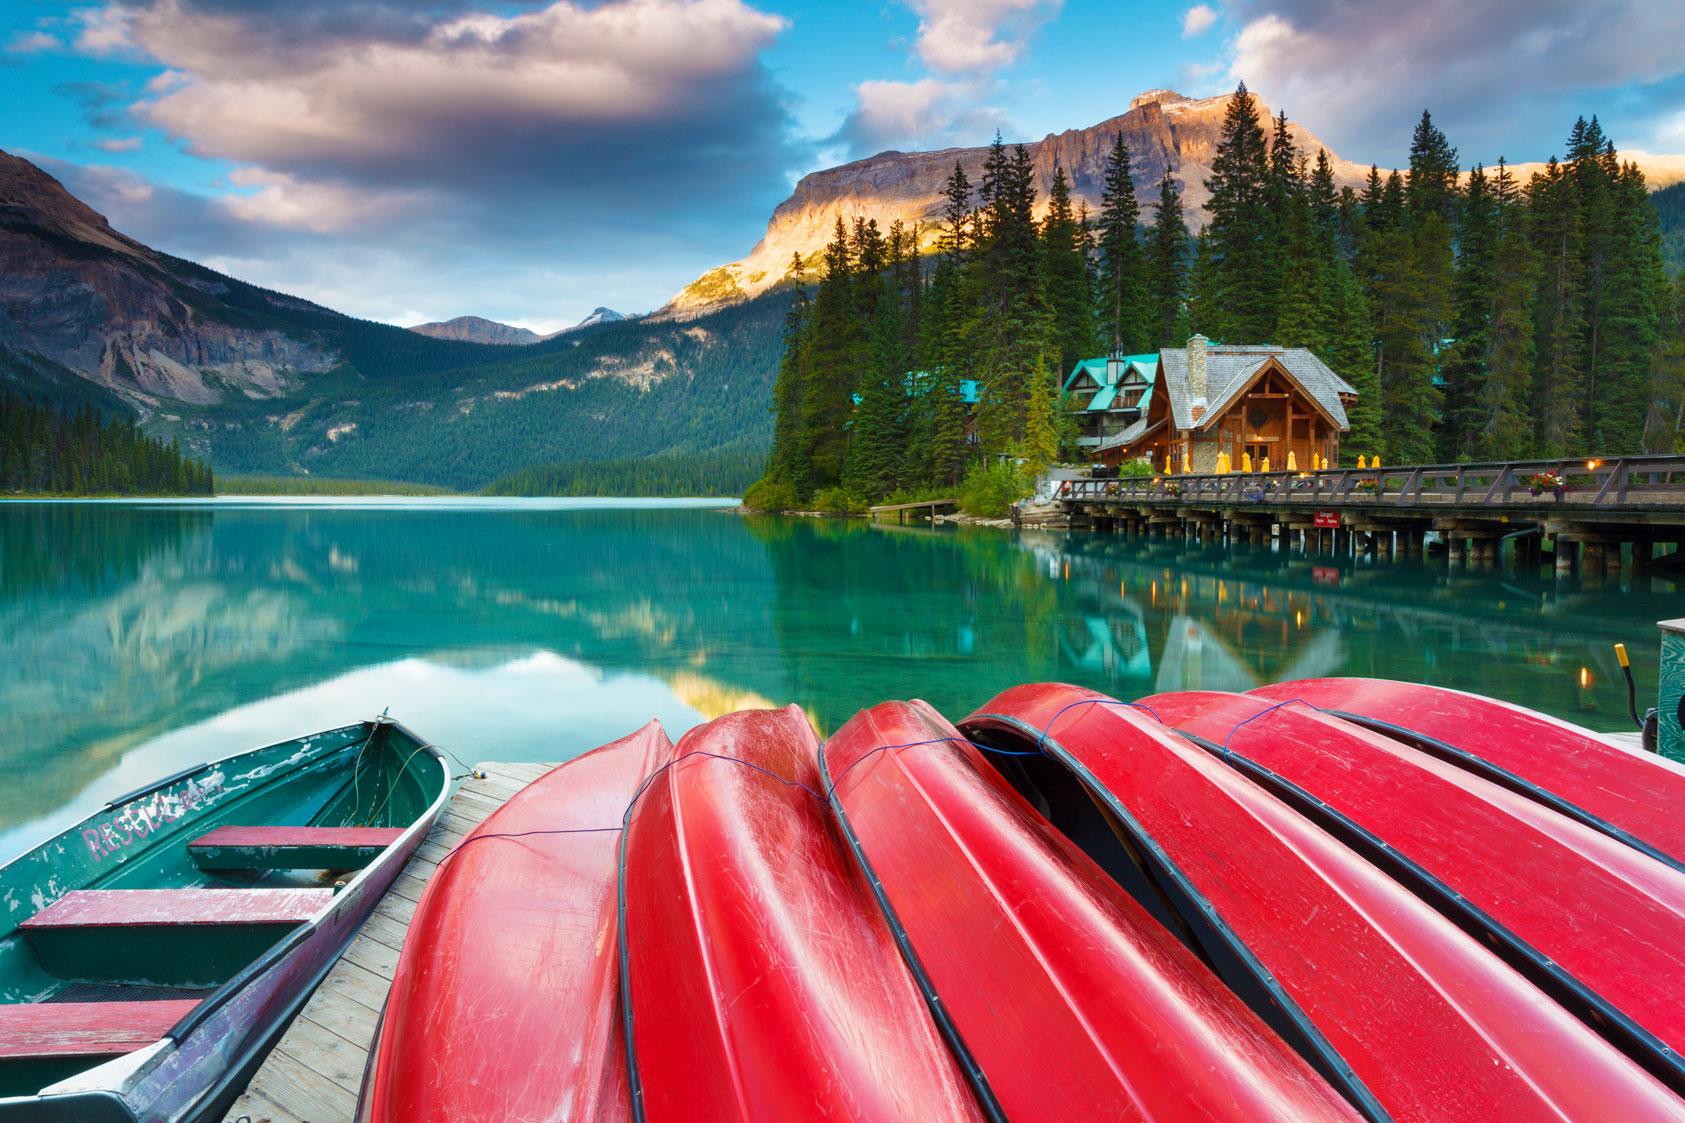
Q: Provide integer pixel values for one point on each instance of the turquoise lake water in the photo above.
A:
(139, 638)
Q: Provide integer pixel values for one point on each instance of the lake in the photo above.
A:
(137, 638)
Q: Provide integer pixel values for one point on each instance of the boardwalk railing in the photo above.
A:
(1626, 482)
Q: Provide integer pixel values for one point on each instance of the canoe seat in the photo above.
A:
(291, 848)
(165, 937)
(31, 1031)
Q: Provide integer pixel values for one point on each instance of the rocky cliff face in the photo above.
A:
(1165, 132)
(474, 329)
(148, 326)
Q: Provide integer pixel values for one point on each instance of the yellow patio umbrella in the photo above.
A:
(1360, 462)
(1246, 462)
(1375, 461)
(1169, 463)
(1187, 462)
(1222, 463)
(1264, 465)
(1292, 461)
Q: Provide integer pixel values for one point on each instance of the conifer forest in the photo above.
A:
(1479, 316)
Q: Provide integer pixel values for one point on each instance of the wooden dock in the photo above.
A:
(925, 508)
(315, 1071)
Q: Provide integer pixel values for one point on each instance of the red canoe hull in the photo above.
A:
(505, 1003)
(1431, 1025)
(1592, 920)
(1632, 796)
(1072, 1001)
(763, 984)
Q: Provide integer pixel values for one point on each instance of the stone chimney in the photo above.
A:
(1196, 367)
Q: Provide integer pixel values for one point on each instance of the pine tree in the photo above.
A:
(877, 445)
(1238, 237)
(1398, 299)
(1558, 317)
(836, 349)
(1121, 282)
(1066, 278)
(1505, 429)
(1631, 317)
(1466, 362)
(1432, 186)
(1041, 431)
(1167, 269)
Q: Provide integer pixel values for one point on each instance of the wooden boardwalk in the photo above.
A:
(314, 1073)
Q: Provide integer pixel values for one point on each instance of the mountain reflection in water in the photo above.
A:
(140, 638)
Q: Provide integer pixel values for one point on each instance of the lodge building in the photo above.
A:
(1252, 402)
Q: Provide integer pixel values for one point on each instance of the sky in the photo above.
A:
(412, 160)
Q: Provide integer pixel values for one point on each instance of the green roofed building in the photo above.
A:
(1109, 394)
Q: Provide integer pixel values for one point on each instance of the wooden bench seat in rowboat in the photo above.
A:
(165, 937)
(43, 1042)
(290, 848)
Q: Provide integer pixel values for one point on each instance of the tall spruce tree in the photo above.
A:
(1466, 362)
(1559, 316)
(1506, 427)
(1066, 276)
(835, 362)
(1009, 325)
(1240, 278)
(1399, 303)
(1121, 281)
(1167, 269)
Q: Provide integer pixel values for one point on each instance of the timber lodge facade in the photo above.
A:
(1186, 405)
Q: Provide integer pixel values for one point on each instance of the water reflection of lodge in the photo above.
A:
(1231, 622)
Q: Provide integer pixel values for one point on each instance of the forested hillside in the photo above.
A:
(609, 391)
(1670, 206)
(47, 450)
(669, 474)
(1485, 318)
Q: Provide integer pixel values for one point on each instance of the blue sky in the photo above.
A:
(419, 159)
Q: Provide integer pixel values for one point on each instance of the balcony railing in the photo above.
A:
(1637, 482)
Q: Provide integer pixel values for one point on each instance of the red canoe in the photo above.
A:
(762, 982)
(1629, 795)
(1072, 1001)
(505, 1004)
(1431, 1024)
(1595, 923)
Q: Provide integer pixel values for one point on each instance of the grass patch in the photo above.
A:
(319, 485)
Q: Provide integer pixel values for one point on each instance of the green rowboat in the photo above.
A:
(151, 954)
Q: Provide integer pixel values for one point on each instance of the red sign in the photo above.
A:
(1325, 575)
(1328, 520)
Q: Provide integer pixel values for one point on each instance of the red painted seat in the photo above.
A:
(85, 1029)
(298, 848)
(152, 908)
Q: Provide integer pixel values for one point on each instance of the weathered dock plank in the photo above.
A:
(314, 1071)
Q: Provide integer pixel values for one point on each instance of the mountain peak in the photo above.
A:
(477, 329)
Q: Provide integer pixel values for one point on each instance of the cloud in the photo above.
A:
(970, 36)
(118, 144)
(33, 42)
(1493, 73)
(99, 102)
(544, 132)
(927, 112)
(1197, 20)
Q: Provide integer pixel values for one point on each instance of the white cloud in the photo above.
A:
(970, 36)
(32, 42)
(1489, 71)
(319, 207)
(118, 144)
(1197, 20)
(930, 111)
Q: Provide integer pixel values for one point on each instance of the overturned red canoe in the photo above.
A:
(1629, 795)
(1071, 1001)
(1432, 1026)
(505, 1003)
(1598, 925)
(762, 983)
